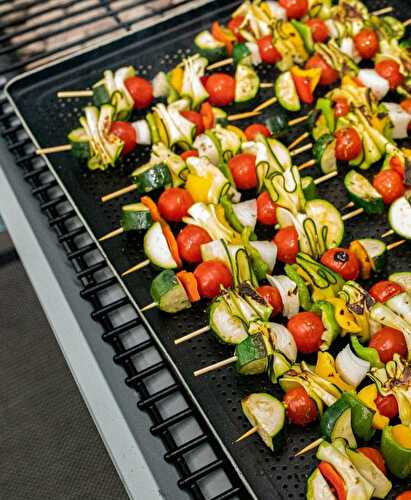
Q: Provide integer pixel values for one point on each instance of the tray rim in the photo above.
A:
(174, 368)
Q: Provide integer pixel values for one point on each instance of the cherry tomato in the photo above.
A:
(390, 70)
(210, 275)
(319, 30)
(286, 240)
(266, 210)
(140, 90)
(341, 107)
(256, 128)
(272, 296)
(234, 25)
(127, 133)
(196, 118)
(189, 154)
(268, 53)
(343, 262)
(296, 9)
(389, 342)
(385, 290)
(328, 74)
(406, 495)
(406, 105)
(389, 184)
(366, 42)
(174, 203)
(387, 406)
(243, 170)
(300, 408)
(221, 89)
(189, 241)
(375, 456)
(307, 329)
(348, 144)
(397, 165)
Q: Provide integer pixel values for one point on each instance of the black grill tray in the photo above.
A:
(217, 395)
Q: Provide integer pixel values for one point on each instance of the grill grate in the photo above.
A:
(32, 33)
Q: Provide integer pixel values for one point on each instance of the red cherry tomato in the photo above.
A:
(375, 456)
(268, 53)
(307, 329)
(366, 42)
(174, 203)
(221, 88)
(272, 296)
(127, 133)
(210, 275)
(341, 107)
(389, 342)
(189, 241)
(195, 118)
(387, 406)
(328, 74)
(389, 184)
(234, 25)
(286, 240)
(406, 495)
(189, 154)
(243, 170)
(300, 408)
(348, 144)
(390, 70)
(343, 262)
(266, 210)
(140, 90)
(296, 9)
(385, 290)
(256, 128)
(319, 30)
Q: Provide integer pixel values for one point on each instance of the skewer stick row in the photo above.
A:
(298, 141)
(302, 149)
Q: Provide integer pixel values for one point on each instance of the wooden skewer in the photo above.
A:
(242, 116)
(352, 214)
(381, 12)
(388, 233)
(266, 85)
(74, 93)
(302, 149)
(149, 306)
(325, 177)
(215, 366)
(298, 141)
(348, 205)
(120, 192)
(192, 335)
(54, 149)
(220, 64)
(265, 104)
(112, 234)
(138, 266)
(247, 434)
(298, 120)
(395, 245)
(307, 164)
(311, 446)
(407, 22)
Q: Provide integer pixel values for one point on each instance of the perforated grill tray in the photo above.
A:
(218, 395)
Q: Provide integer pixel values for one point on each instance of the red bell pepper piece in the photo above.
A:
(335, 480)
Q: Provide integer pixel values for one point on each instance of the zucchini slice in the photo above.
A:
(228, 328)
(156, 248)
(267, 414)
(253, 355)
(377, 253)
(328, 221)
(363, 193)
(247, 83)
(403, 279)
(151, 177)
(169, 293)
(286, 92)
(209, 47)
(336, 423)
(135, 217)
(317, 487)
(400, 217)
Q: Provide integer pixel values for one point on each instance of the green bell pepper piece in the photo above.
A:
(361, 416)
(332, 328)
(397, 458)
(259, 267)
(366, 353)
(303, 292)
(230, 215)
(241, 54)
(326, 107)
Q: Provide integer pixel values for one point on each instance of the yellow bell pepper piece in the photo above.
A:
(313, 75)
(368, 396)
(236, 240)
(198, 187)
(176, 78)
(317, 293)
(402, 434)
(362, 255)
(343, 316)
(237, 131)
(288, 32)
(161, 129)
(326, 368)
(348, 80)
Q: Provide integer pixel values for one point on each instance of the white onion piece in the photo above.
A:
(371, 79)
(332, 28)
(267, 251)
(161, 87)
(284, 341)
(143, 134)
(246, 213)
(255, 53)
(351, 368)
(206, 148)
(289, 294)
(399, 118)
(276, 10)
(347, 47)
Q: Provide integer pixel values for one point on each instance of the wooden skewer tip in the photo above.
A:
(220, 64)
(311, 446)
(242, 116)
(298, 141)
(215, 366)
(395, 245)
(353, 214)
(137, 267)
(149, 306)
(298, 120)
(381, 12)
(247, 434)
(120, 192)
(265, 104)
(307, 164)
(388, 233)
(192, 335)
(74, 93)
(325, 177)
(112, 234)
(302, 149)
(53, 149)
